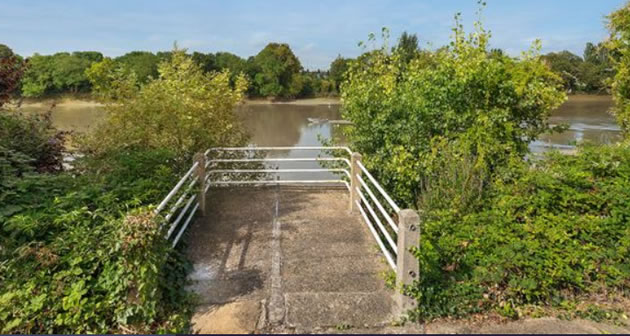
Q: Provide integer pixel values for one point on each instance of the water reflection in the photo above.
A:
(288, 124)
(284, 125)
(589, 119)
(70, 117)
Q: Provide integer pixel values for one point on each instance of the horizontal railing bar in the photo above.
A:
(179, 200)
(277, 182)
(378, 187)
(279, 148)
(305, 170)
(282, 160)
(389, 258)
(378, 204)
(176, 188)
(378, 221)
(180, 216)
(179, 235)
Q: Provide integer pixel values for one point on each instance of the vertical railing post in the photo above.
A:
(200, 158)
(355, 172)
(407, 266)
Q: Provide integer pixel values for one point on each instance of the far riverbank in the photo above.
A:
(85, 102)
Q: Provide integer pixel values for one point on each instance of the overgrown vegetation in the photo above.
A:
(183, 110)
(447, 132)
(81, 251)
(619, 26)
(554, 234)
(490, 106)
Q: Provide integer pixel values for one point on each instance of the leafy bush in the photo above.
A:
(29, 141)
(184, 110)
(82, 254)
(619, 43)
(399, 110)
(11, 72)
(545, 234)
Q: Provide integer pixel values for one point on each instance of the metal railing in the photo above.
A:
(378, 209)
(182, 203)
(396, 231)
(276, 171)
(388, 210)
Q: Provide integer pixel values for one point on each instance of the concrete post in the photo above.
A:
(355, 172)
(406, 264)
(200, 158)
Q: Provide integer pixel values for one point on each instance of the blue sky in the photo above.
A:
(316, 30)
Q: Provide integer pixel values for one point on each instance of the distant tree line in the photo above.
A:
(589, 74)
(274, 72)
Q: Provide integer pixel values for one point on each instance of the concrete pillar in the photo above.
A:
(407, 265)
(200, 158)
(355, 171)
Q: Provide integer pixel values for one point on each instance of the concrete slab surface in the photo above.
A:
(284, 259)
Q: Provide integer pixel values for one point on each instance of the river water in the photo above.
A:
(302, 124)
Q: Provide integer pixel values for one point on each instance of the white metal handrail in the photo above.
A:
(380, 207)
(175, 189)
(377, 220)
(252, 148)
(374, 219)
(183, 213)
(275, 171)
(395, 243)
(176, 207)
(281, 160)
(387, 254)
(378, 187)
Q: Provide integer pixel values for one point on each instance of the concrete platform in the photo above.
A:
(293, 260)
(285, 259)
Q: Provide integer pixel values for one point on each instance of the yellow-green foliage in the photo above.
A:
(183, 110)
(619, 43)
(492, 105)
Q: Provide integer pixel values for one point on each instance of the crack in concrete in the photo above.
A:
(276, 307)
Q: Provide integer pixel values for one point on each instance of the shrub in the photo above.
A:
(82, 254)
(497, 103)
(30, 140)
(184, 110)
(619, 43)
(545, 234)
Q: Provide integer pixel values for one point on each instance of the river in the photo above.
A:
(295, 124)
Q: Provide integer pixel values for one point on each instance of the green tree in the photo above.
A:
(183, 110)
(487, 107)
(91, 56)
(207, 62)
(619, 44)
(279, 70)
(143, 63)
(591, 54)
(68, 72)
(5, 51)
(338, 68)
(38, 79)
(58, 73)
(566, 65)
(407, 47)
